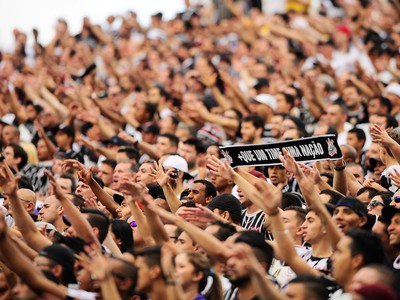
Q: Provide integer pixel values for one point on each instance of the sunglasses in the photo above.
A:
(375, 203)
(133, 224)
(396, 199)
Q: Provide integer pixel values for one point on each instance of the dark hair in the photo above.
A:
(77, 200)
(390, 120)
(386, 197)
(19, 152)
(25, 182)
(151, 255)
(210, 188)
(98, 219)
(256, 120)
(314, 287)
(359, 133)
(367, 244)
(173, 139)
(130, 152)
(262, 250)
(71, 178)
(383, 101)
(197, 143)
(289, 99)
(110, 162)
(151, 109)
(371, 192)
(122, 231)
(300, 213)
(333, 195)
(225, 230)
(301, 127)
(291, 199)
(127, 271)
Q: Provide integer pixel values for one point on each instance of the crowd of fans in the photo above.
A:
(113, 185)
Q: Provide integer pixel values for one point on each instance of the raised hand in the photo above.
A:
(219, 168)
(269, 196)
(8, 181)
(380, 135)
(289, 162)
(161, 177)
(57, 191)
(126, 137)
(310, 172)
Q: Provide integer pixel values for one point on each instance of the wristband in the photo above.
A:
(340, 168)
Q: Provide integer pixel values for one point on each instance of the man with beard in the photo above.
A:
(238, 272)
(251, 129)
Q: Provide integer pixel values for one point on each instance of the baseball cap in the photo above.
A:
(67, 129)
(356, 205)
(393, 88)
(226, 202)
(179, 163)
(62, 256)
(268, 100)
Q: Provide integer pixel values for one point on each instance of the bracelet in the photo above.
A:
(340, 168)
(170, 282)
(280, 232)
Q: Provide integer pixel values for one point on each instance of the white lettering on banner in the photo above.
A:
(246, 156)
(312, 149)
(260, 154)
(273, 153)
(294, 151)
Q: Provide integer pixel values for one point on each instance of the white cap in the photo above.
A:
(176, 162)
(267, 99)
(393, 88)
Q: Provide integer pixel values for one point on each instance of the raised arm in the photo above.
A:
(312, 198)
(77, 220)
(22, 219)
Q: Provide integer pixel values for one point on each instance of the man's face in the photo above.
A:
(345, 218)
(123, 210)
(341, 261)
(42, 151)
(357, 172)
(84, 190)
(313, 231)
(144, 174)
(65, 184)
(277, 174)
(394, 230)
(122, 169)
(164, 146)
(197, 193)
(353, 141)
(145, 281)
(9, 157)
(290, 220)
(9, 134)
(50, 210)
(184, 242)
(189, 153)
(282, 105)
(248, 132)
(63, 140)
(334, 116)
(374, 106)
(351, 97)
(237, 271)
(106, 174)
(219, 182)
(276, 125)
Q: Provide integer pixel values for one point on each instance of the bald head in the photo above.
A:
(28, 198)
